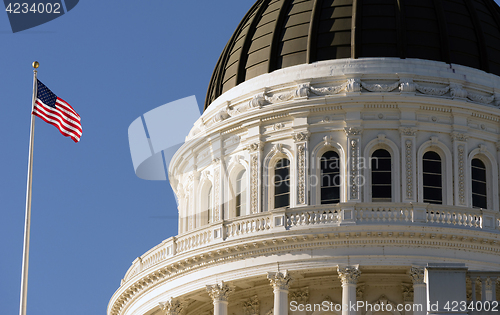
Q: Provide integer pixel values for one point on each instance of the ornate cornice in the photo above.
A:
(280, 280)
(348, 274)
(220, 291)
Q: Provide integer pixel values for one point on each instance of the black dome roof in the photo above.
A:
(276, 34)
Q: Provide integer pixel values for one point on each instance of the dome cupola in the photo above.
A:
(276, 34)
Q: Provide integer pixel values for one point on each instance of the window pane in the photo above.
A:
(479, 187)
(381, 172)
(330, 178)
(433, 195)
(432, 178)
(282, 184)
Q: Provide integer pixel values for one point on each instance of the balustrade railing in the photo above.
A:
(318, 216)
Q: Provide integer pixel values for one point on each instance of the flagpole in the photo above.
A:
(27, 223)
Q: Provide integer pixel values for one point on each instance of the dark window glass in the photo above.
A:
(432, 178)
(240, 193)
(381, 168)
(282, 184)
(330, 178)
(479, 196)
(209, 205)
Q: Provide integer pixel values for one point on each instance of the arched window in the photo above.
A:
(282, 184)
(209, 204)
(330, 178)
(479, 196)
(381, 172)
(432, 178)
(240, 191)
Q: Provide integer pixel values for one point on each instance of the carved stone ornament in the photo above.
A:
(278, 148)
(349, 274)
(380, 87)
(301, 296)
(461, 174)
(301, 154)
(300, 136)
(221, 115)
(252, 306)
(480, 98)
(457, 136)
(457, 91)
(172, 307)
(409, 168)
(257, 146)
(301, 91)
(257, 101)
(353, 131)
(408, 131)
(220, 291)
(328, 140)
(435, 91)
(417, 275)
(408, 293)
(280, 280)
(353, 85)
(407, 85)
(360, 291)
(254, 188)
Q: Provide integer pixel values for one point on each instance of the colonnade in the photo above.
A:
(280, 281)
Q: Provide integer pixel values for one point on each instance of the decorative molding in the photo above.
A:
(301, 180)
(278, 126)
(360, 291)
(257, 101)
(353, 131)
(408, 293)
(353, 85)
(435, 91)
(216, 194)
(409, 168)
(301, 296)
(252, 306)
(406, 85)
(349, 274)
(300, 136)
(417, 275)
(480, 98)
(408, 131)
(172, 307)
(254, 147)
(354, 156)
(278, 148)
(220, 291)
(457, 91)
(328, 140)
(280, 280)
(380, 87)
(457, 136)
(254, 183)
(461, 174)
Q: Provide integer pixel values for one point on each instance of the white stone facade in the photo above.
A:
(246, 255)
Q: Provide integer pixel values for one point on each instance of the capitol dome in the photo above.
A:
(276, 34)
(348, 154)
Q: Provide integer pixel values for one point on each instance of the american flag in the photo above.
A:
(57, 112)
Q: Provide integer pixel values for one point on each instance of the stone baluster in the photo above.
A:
(349, 277)
(419, 290)
(281, 283)
(220, 293)
(172, 307)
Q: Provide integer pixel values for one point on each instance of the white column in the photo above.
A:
(172, 307)
(419, 290)
(349, 277)
(220, 294)
(281, 283)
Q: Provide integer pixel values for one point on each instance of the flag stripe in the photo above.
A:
(56, 114)
(66, 132)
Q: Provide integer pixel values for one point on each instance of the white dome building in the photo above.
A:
(348, 152)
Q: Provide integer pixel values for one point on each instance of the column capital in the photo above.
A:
(280, 280)
(172, 307)
(349, 274)
(353, 131)
(220, 291)
(417, 275)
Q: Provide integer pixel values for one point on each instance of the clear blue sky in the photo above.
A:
(112, 61)
(91, 216)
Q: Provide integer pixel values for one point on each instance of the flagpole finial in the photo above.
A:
(35, 64)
